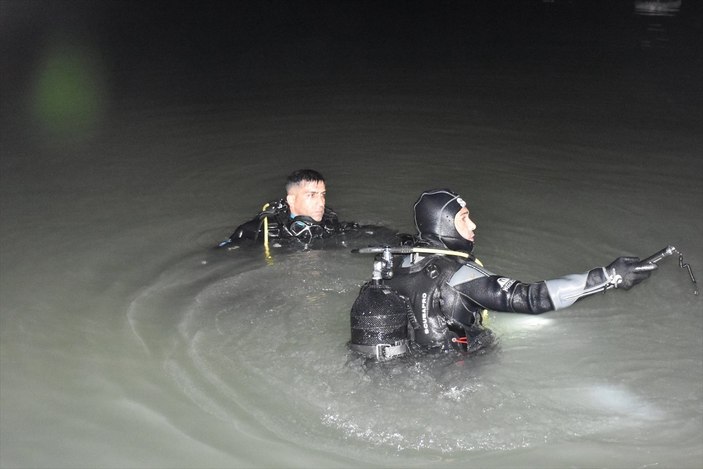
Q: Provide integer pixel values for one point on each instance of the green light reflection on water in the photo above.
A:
(68, 94)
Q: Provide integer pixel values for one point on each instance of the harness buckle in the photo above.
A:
(387, 351)
(381, 351)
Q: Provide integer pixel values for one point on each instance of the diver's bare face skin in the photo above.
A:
(464, 225)
(308, 199)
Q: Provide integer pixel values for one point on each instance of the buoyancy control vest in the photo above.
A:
(275, 222)
(440, 316)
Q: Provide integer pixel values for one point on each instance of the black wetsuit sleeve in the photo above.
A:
(248, 230)
(507, 295)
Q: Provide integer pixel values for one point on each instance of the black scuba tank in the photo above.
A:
(379, 322)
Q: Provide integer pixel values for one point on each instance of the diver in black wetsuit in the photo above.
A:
(446, 293)
(301, 215)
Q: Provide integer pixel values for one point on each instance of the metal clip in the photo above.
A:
(381, 351)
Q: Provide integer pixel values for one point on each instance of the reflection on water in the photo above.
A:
(657, 19)
(657, 7)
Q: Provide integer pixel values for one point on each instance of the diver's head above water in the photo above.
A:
(441, 217)
(306, 194)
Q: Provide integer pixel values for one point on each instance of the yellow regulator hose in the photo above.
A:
(267, 252)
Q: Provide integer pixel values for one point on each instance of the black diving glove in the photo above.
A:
(626, 272)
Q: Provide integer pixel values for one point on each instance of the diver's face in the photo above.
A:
(464, 225)
(308, 199)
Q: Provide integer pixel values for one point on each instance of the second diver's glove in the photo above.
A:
(626, 272)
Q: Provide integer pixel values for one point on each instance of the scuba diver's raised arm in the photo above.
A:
(505, 294)
(623, 272)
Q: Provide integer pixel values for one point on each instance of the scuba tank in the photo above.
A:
(379, 316)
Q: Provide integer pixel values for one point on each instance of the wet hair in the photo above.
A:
(301, 175)
(434, 219)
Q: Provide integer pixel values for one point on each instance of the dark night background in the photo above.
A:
(212, 49)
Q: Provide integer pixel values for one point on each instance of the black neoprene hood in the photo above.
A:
(434, 219)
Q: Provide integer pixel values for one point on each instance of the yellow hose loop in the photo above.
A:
(267, 252)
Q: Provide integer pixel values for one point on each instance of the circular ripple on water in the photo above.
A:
(268, 343)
